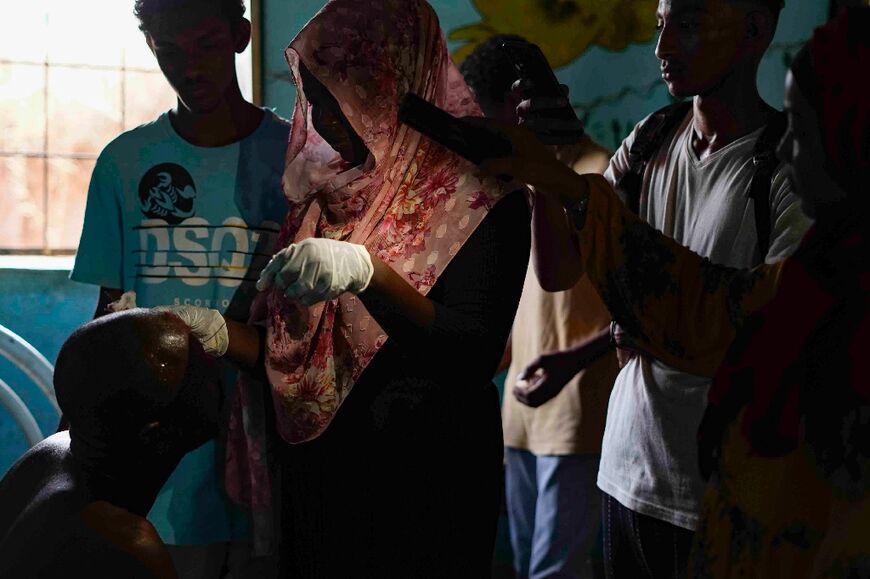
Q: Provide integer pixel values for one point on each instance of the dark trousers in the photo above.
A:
(637, 546)
(413, 497)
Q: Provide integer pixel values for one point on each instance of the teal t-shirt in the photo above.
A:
(181, 224)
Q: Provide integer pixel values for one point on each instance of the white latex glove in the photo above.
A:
(206, 324)
(318, 269)
(127, 301)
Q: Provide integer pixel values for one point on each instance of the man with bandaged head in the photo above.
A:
(139, 393)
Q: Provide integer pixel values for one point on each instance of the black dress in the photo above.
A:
(406, 480)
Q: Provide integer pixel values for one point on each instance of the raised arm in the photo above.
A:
(554, 247)
(677, 306)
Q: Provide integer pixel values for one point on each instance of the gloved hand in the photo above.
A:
(127, 301)
(318, 269)
(206, 324)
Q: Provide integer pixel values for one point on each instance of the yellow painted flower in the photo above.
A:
(564, 29)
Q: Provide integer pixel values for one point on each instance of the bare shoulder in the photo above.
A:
(132, 534)
(40, 468)
(52, 450)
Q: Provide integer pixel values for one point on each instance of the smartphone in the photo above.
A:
(469, 141)
(531, 64)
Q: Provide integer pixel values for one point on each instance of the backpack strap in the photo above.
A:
(765, 161)
(648, 140)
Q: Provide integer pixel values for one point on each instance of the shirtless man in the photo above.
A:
(139, 393)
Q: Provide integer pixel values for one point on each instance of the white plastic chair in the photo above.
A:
(38, 369)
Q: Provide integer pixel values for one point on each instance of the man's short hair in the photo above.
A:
(153, 13)
(107, 377)
(488, 71)
(773, 6)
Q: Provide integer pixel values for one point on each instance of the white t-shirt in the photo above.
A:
(649, 460)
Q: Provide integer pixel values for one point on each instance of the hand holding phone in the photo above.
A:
(472, 142)
(554, 124)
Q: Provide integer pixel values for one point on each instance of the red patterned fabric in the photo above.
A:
(785, 440)
(766, 370)
(840, 54)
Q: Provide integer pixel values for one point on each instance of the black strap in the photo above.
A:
(765, 161)
(648, 140)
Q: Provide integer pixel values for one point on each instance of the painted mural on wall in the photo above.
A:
(602, 49)
(564, 29)
(577, 35)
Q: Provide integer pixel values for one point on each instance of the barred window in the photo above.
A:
(73, 75)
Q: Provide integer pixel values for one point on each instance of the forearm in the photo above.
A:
(675, 305)
(559, 182)
(555, 253)
(415, 321)
(589, 351)
(245, 344)
(396, 306)
(594, 347)
(425, 331)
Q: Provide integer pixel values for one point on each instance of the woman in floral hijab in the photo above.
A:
(386, 314)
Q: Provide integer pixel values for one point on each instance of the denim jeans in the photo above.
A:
(221, 561)
(553, 513)
(638, 546)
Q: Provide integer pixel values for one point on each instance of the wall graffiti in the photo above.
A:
(564, 29)
(602, 49)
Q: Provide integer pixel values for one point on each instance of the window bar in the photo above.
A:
(123, 89)
(80, 66)
(256, 52)
(45, 150)
(43, 155)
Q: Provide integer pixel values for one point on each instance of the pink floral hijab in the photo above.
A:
(413, 203)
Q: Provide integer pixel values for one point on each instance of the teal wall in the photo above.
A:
(43, 307)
